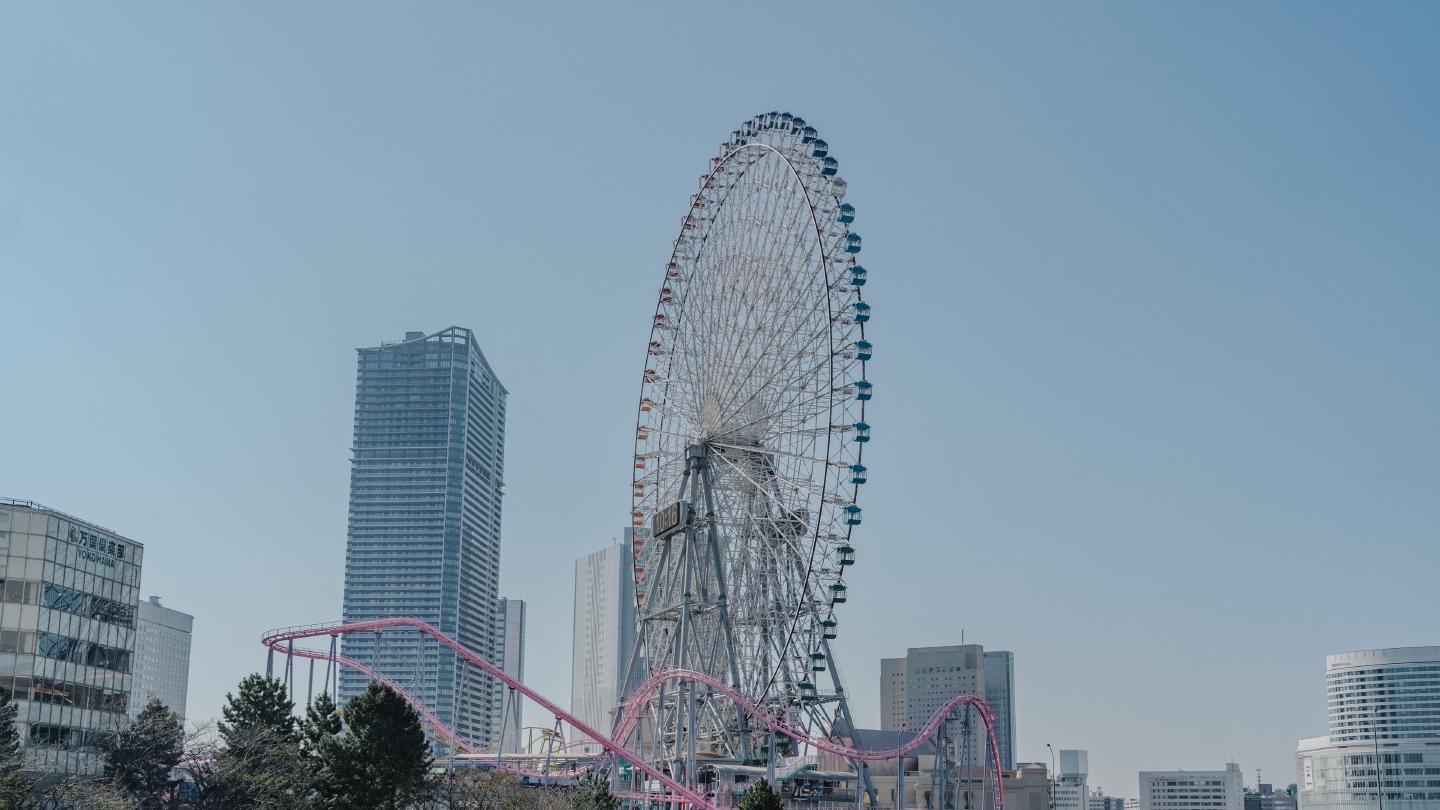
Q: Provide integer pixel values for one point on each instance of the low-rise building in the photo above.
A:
(1267, 798)
(1192, 790)
(933, 782)
(1099, 801)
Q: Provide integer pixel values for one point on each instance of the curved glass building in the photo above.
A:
(1384, 740)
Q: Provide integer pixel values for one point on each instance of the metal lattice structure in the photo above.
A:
(747, 474)
(748, 447)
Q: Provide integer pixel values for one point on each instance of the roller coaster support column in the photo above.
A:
(899, 776)
(330, 665)
(770, 759)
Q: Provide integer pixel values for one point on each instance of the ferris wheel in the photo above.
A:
(749, 447)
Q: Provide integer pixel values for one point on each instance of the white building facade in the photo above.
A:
(1384, 740)
(162, 657)
(1193, 790)
(67, 633)
(604, 634)
(510, 654)
(916, 686)
(1071, 790)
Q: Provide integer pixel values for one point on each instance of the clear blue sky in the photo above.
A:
(1155, 287)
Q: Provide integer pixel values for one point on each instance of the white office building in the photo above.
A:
(604, 634)
(916, 686)
(1383, 705)
(67, 633)
(162, 657)
(1071, 790)
(1192, 790)
(510, 654)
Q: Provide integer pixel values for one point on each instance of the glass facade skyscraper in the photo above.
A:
(69, 590)
(424, 529)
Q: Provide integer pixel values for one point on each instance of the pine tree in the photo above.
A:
(594, 793)
(322, 724)
(262, 766)
(760, 796)
(317, 739)
(139, 759)
(262, 706)
(382, 760)
(14, 785)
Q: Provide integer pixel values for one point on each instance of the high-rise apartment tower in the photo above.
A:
(510, 629)
(424, 533)
(604, 633)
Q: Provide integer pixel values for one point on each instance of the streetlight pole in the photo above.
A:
(1053, 775)
(899, 771)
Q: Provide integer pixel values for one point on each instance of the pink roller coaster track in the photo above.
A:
(280, 641)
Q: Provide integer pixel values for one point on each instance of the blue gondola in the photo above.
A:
(837, 593)
(864, 350)
(847, 213)
(857, 473)
(808, 135)
(862, 431)
(862, 312)
(845, 555)
(857, 276)
(829, 166)
(819, 148)
(864, 390)
(852, 243)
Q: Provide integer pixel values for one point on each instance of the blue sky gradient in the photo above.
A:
(1155, 292)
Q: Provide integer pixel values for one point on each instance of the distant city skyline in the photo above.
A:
(1155, 327)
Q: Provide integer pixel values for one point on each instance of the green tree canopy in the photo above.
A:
(760, 796)
(261, 706)
(140, 758)
(593, 793)
(261, 766)
(382, 760)
(322, 724)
